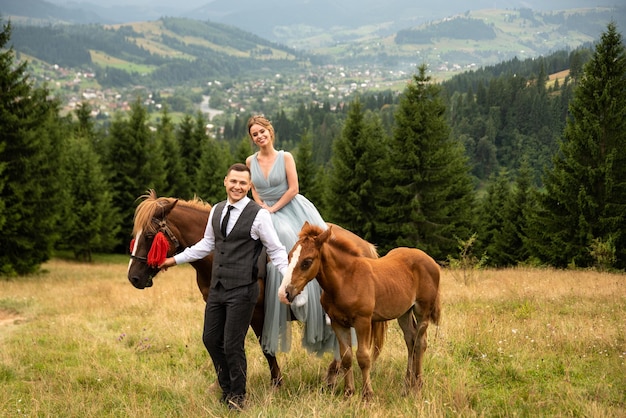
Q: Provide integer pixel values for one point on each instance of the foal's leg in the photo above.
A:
(421, 343)
(409, 329)
(363, 328)
(345, 352)
(333, 373)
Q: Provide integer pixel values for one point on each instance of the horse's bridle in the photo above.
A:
(161, 226)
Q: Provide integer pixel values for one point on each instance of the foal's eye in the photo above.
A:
(306, 264)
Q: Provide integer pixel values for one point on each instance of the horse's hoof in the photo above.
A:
(277, 382)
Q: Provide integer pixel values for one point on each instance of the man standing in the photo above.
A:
(236, 231)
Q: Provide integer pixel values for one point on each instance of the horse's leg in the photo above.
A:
(409, 329)
(421, 342)
(345, 351)
(332, 373)
(363, 328)
(334, 368)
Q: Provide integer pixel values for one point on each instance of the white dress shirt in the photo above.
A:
(262, 228)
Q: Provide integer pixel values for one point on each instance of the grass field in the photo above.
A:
(80, 341)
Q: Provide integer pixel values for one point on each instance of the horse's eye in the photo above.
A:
(306, 264)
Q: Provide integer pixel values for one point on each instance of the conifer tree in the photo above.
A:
(429, 189)
(128, 166)
(585, 199)
(305, 166)
(243, 150)
(188, 148)
(215, 158)
(177, 183)
(511, 244)
(491, 218)
(30, 153)
(93, 223)
(357, 164)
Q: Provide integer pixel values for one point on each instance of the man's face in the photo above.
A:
(237, 185)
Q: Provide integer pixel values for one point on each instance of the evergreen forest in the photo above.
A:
(501, 166)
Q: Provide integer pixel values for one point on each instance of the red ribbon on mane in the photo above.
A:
(158, 251)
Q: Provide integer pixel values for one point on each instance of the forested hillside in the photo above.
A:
(168, 52)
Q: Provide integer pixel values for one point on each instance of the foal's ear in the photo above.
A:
(324, 236)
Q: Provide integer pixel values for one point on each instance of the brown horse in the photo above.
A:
(183, 223)
(404, 284)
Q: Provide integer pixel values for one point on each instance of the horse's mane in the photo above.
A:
(338, 242)
(150, 204)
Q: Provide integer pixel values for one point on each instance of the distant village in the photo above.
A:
(332, 84)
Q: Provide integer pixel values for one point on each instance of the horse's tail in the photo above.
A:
(379, 332)
(435, 313)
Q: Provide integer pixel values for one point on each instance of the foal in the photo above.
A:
(358, 291)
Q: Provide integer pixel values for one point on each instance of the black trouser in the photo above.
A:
(226, 321)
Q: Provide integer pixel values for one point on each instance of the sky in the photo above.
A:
(190, 4)
(186, 4)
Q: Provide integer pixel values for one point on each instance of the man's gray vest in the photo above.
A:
(235, 256)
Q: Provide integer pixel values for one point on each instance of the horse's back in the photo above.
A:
(426, 274)
(414, 258)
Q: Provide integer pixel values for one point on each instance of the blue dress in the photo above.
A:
(317, 336)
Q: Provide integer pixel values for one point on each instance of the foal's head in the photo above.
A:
(304, 260)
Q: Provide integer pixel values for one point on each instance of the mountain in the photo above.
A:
(43, 12)
(196, 48)
(271, 19)
(285, 21)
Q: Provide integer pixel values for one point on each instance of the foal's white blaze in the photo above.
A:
(295, 256)
(134, 249)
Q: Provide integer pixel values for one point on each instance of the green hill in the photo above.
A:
(171, 51)
(177, 51)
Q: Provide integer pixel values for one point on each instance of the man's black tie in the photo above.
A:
(225, 220)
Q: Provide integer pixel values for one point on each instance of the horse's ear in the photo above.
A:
(168, 207)
(325, 236)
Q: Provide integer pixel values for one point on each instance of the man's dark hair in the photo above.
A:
(238, 167)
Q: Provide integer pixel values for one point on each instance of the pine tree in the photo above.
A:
(511, 243)
(189, 150)
(357, 164)
(127, 162)
(429, 190)
(176, 179)
(243, 150)
(491, 216)
(585, 199)
(93, 223)
(305, 166)
(30, 153)
(215, 159)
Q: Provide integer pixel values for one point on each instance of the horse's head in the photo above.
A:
(153, 240)
(304, 260)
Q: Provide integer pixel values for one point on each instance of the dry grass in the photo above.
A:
(80, 341)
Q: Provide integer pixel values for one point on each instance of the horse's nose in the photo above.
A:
(135, 281)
